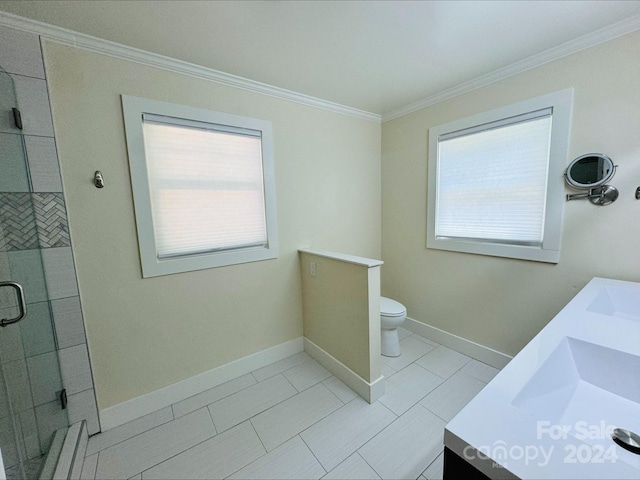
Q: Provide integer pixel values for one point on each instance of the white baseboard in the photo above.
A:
(369, 391)
(143, 405)
(475, 350)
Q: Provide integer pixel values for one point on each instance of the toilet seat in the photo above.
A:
(391, 308)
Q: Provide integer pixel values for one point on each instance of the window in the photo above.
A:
(202, 184)
(495, 180)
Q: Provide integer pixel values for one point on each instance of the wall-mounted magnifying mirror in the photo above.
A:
(591, 172)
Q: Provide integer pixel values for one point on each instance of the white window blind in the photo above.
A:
(206, 186)
(492, 181)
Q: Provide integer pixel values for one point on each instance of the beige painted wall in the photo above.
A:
(341, 306)
(146, 334)
(503, 303)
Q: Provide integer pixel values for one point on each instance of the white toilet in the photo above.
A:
(392, 315)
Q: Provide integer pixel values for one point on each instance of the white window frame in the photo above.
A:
(561, 104)
(133, 110)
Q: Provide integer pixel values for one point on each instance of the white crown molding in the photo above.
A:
(589, 40)
(116, 50)
(123, 52)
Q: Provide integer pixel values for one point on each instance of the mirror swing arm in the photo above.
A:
(591, 172)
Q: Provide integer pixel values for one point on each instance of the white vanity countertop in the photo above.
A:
(549, 412)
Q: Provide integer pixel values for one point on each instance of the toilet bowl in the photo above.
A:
(392, 315)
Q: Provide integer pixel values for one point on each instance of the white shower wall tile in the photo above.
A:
(11, 348)
(44, 378)
(17, 380)
(60, 273)
(20, 53)
(29, 429)
(26, 269)
(43, 164)
(37, 330)
(7, 445)
(82, 406)
(75, 369)
(67, 317)
(50, 417)
(33, 101)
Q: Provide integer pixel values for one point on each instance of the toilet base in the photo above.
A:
(390, 343)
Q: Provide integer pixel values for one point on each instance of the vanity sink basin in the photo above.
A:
(584, 387)
(616, 302)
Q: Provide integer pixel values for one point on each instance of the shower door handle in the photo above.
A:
(22, 306)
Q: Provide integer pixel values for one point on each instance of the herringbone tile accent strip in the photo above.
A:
(51, 219)
(18, 222)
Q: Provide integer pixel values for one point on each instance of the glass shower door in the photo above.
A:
(31, 392)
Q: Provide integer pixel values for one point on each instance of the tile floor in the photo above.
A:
(294, 420)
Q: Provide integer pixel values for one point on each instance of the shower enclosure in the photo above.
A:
(32, 398)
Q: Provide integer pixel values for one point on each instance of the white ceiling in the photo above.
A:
(377, 56)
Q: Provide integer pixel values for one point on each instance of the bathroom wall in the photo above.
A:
(341, 306)
(502, 303)
(144, 334)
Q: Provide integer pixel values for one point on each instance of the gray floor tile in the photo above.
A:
(339, 389)
(353, 468)
(89, 467)
(291, 460)
(128, 430)
(403, 333)
(450, 397)
(443, 361)
(215, 458)
(280, 366)
(407, 387)
(212, 395)
(479, 370)
(289, 418)
(251, 401)
(386, 370)
(306, 434)
(434, 471)
(143, 451)
(426, 340)
(407, 446)
(411, 350)
(337, 436)
(306, 375)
